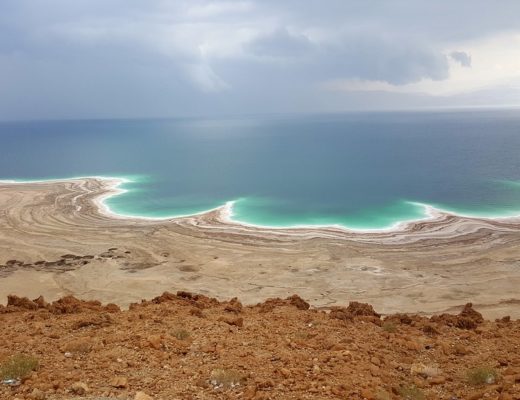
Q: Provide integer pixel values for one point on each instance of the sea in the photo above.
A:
(361, 171)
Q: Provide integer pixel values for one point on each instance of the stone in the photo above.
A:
(22, 302)
(234, 306)
(79, 388)
(119, 382)
(460, 349)
(155, 341)
(437, 380)
(142, 396)
(79, 346)
(298, 302)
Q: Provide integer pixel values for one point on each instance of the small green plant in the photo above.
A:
(18, 366)
(181, 334)
(389, 327)
(226, 378)
(482, 376)
(411, 393)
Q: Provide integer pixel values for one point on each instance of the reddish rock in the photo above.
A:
(142, 396)
(233, 306)
(40, 302)
(469, 312)
(119, 382)
(21, 302)
(166, 296)
(361, 309)
(298, 302)
(79, 388)
(468, 318)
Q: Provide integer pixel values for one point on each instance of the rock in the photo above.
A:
(142, 396)
(413, 345)
(340, 313)
(361, 309)
(437, 380)
(21, 302)
(79, 388)
(460, 349)
(477, 395)
(79, 346)
(234, 306)
(250, 392)
(40, 302)
(298, 302)
(155, 341)
(166, 296)
(119, 382)
(112, 308)
(468, 318)
(185, 295)
(355, 309)
(469, 312)
(72, 305)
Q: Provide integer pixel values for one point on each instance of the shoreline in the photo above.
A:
(225, 211)
(428, 267)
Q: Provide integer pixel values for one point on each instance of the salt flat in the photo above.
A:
(424, 267)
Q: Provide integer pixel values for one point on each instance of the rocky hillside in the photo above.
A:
(186, 346)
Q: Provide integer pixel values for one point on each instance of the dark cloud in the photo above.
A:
(396, 61)
(354, 56)
(103, 58)
(462, 58)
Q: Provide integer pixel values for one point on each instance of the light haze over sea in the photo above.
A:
(360, 170)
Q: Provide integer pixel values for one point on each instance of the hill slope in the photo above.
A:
(186, 346)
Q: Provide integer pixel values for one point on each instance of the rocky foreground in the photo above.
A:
(187, 346)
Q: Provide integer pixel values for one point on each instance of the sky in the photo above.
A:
(176, 58)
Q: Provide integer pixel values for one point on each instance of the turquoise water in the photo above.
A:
(362, 171)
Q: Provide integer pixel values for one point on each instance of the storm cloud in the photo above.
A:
(115, 58)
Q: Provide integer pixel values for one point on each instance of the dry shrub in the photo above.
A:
(482, 376)
(411, 393)
(226, 378)
(389, 327)
(18, 366)
(181, 334)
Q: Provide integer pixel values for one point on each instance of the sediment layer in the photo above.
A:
(56, 239)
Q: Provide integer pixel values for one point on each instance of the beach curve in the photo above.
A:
(446, 259)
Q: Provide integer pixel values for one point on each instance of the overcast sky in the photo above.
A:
(146, 58)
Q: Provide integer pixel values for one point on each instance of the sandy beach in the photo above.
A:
(56, 238)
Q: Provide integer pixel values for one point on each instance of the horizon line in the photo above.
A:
(431, 109)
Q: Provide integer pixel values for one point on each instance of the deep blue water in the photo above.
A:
(359, 170)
